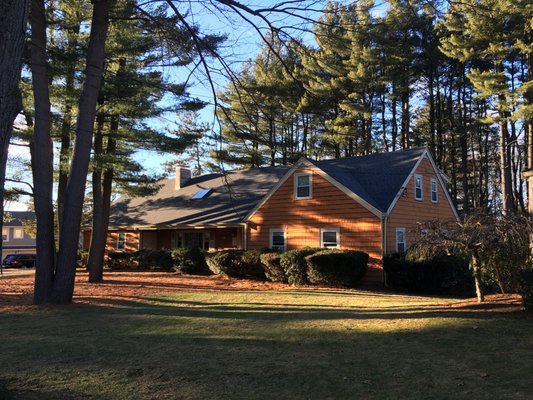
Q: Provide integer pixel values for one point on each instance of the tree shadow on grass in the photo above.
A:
(204, 349)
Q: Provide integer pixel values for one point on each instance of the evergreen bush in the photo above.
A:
(273, 269)
(439, 273)
(189, 260)
(294, 265)
(336, 267)
(526, 286)
(226, 262)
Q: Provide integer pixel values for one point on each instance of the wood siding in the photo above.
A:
(302, 220)
(408, 211)
(132, 240)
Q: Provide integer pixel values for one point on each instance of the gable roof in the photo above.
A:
(18, 216)
(230, 199)
(376, 178)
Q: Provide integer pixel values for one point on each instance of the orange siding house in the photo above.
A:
(368, 203)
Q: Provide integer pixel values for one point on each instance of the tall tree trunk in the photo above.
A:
(63, 287)
(42, 158)
(13, 16)
(66, 126)
(102, 197)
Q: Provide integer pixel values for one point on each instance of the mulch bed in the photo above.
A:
(16, 291)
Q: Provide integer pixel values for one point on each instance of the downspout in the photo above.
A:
(245, 236)
(384, 220)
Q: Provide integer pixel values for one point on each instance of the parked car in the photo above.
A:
(19, 261)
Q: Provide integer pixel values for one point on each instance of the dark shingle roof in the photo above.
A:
(376, 178)
(17, 216)
(170, 207)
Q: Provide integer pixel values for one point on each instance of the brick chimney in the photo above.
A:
(182, 176)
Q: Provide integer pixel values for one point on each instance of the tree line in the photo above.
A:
(454, 77)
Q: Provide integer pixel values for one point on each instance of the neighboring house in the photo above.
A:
(14, 238)
(366, 203)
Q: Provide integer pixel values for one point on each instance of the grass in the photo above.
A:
(301, 344)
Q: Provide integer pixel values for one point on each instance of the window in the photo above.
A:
(330, 237)
(419, 194)
(400, 240)
(434, 191)
(302, 186)
(190, 239)
(121, 241)
(18, 233)
(5, 234)
(277, 239)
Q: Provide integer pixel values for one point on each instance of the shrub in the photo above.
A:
(226, 262)
(431, 274)
(525, 277)
(294, 265)
(273, 269)
(153, 259)
(118, 260)
(189, 260)
(252, 263)
(336, 267)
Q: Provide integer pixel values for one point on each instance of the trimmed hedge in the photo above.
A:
(272, 266)
(189, 260)
(336, 267)
(118, 260)
(226, 262)
(252, 263)
(525, 277)
(439, 274)
(153, 259)
(294, 265)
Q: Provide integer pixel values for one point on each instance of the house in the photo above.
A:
(15, 239)
(366, 203)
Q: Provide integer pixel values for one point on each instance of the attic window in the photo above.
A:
(303, 187)
(201, 194)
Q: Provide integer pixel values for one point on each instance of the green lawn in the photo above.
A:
(301, 344)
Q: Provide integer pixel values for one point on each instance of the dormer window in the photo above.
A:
(419, 194)
(303, 188)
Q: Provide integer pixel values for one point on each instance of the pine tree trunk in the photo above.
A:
(63, 287)
(95, 262)
(13, 16)
(66, 126)
(42, 158)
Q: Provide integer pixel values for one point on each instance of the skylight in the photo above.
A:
(201, 194)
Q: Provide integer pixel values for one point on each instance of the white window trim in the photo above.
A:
(7, 234)
(125, 240)
(296, 186)
(272, 230)
(421, 187)
(15, 230)
(434, 182)
(404, 239)
(337, 231)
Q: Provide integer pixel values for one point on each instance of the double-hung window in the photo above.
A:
(5, 234)
(121, 241)
(303, 186)
(434, 191)
(419, 193)
(400, 240)
(330, 237)
(18, 233)
(277, 239)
